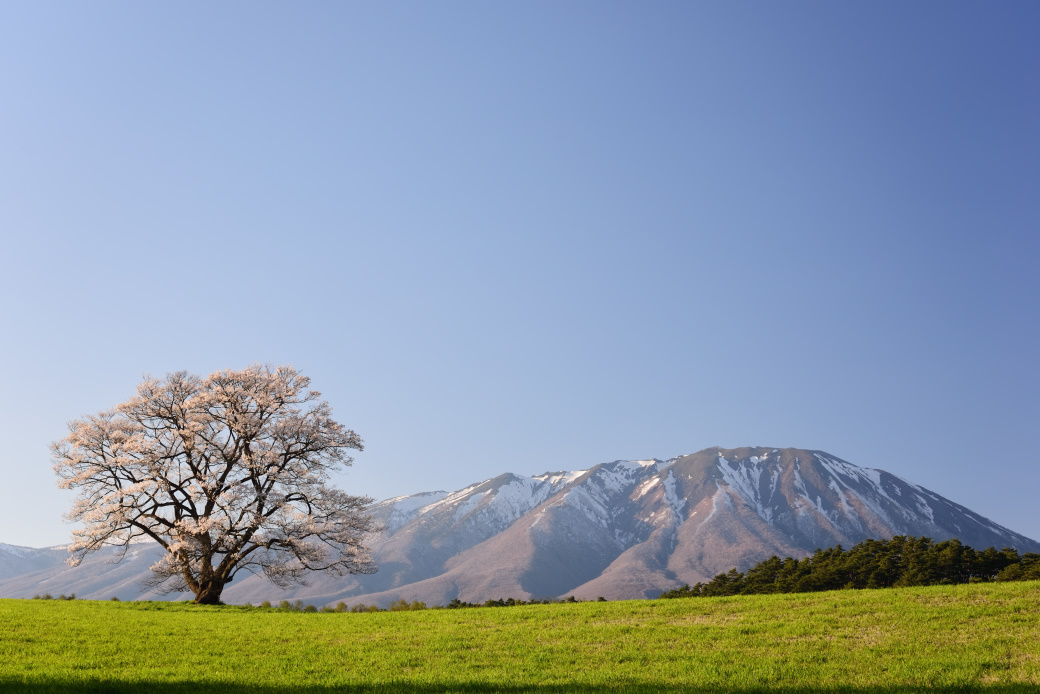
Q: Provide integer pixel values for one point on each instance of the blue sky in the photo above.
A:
(534, 236)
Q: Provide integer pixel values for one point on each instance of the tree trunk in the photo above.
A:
(209, 593)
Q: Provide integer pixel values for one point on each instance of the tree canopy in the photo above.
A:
(227, 473)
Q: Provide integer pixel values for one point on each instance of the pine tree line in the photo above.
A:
(901, 561)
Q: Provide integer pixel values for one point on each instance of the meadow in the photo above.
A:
(978, 637)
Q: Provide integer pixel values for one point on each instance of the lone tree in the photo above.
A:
(227, 473)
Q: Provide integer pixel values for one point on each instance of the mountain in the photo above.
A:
(625, 529)
(15, 560)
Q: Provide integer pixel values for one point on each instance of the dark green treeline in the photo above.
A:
(901, 561)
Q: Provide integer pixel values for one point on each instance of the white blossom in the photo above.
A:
(227, 473)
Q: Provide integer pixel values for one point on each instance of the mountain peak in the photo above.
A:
(622, 529)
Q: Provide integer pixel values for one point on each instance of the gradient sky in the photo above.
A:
(534, 236)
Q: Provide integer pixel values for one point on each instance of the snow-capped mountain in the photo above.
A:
(15, 560)
(624, 529)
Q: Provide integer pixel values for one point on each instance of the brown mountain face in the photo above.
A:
(626, 529)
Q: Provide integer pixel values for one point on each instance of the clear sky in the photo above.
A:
(534, 236)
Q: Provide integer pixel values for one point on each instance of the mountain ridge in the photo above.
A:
(623, 529)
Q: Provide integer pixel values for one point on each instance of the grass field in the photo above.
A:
(983, 637)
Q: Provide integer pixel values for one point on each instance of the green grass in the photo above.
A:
(983, 637)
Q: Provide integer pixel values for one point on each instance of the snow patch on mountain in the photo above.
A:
(870, 474)
(414, 502)
(745, 480)
(672, 497)
(521, 494)
(453, 498)
(592, 508)
(847, 509)
(617, 477)
(17, 550)
(924, 508)
(468, 504)
(865, 484)
(559, 478)
(799, 483)
(714, 505)
(404, 508)
(649, 484)
(599, 493)
(662, 464)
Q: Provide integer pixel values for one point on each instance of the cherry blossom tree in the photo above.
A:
(229, 473)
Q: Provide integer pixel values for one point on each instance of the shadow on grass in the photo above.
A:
(196, 687)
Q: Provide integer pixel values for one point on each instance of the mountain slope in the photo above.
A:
(16, 561)
(624, 529)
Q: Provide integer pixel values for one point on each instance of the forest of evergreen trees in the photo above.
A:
(901, 561)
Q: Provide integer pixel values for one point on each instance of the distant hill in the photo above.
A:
(624, 529)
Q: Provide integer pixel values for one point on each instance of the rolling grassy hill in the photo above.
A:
(981, 637)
